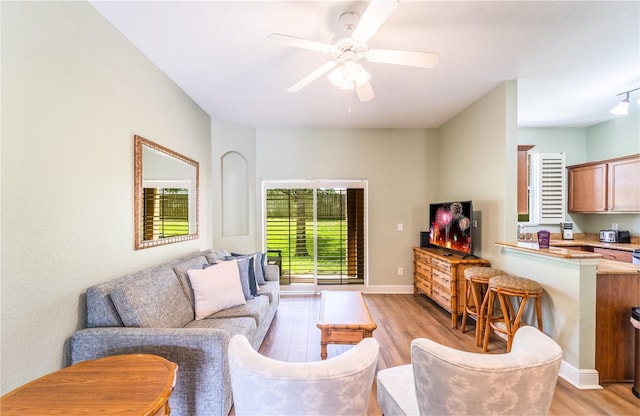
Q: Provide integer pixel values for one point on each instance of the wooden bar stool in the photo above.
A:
(505, 288)
(477, 283)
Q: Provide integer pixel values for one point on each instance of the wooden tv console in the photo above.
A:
(440, 276)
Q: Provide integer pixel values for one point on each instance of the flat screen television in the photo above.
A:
(450, 226)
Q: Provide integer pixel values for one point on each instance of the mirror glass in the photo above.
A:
(166, 195)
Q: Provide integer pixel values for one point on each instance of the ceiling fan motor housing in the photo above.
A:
(348, 21)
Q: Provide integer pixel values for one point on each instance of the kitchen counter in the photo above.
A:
(556, 249)
(591, 243)
(566, 253)
(616, 267)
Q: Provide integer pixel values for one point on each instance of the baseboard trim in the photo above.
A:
(582, 379)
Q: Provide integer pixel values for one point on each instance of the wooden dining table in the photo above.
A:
(131, 384)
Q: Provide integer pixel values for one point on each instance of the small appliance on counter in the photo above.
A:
(614, 236)
(567, 230)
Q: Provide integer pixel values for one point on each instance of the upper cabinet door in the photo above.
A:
(587, 188)
(624, 185)
(607, 186)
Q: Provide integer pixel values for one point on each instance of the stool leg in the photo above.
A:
(487, 325)
(466, 305)
(539, 313)
(516, 322)
(479, 314)
(480, 321)
(507, 313)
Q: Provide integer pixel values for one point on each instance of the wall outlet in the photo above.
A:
(474, 224)
(400, 271)
(614, 226)
(400, 227)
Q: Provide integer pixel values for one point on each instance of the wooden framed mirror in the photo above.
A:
(165, 195)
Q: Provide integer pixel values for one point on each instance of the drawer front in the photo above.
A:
(441, 278)
(618, 255)
(424, 287)
(422, 257)
(423, 269)
(441, 296)
(441, 265)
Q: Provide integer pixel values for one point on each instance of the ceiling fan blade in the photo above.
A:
(373, 17)
(365, 92)
(409, 58)
(300, 42)
(312, 76)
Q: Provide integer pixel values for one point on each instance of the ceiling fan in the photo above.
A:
(346, 72)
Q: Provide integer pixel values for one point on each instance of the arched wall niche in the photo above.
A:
(235, 194)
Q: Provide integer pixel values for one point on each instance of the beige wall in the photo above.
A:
(399, 167)
(228, 137)
(477, 161)
(614, 138)
(74, 92)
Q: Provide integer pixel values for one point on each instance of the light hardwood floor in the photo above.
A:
(294, 337)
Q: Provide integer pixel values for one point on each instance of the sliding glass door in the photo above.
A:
(316, 232)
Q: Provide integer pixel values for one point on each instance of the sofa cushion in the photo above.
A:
(256, 308)
(153, 301)
(101, 311)
(242, 325)
(270, 290)
(253, 285)
(212, 255)
(181, 271)
(215, 288)
(258, 265)
(243, 269)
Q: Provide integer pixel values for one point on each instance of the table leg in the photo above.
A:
(323, 344)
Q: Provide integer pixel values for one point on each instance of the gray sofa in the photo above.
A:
(152, 312)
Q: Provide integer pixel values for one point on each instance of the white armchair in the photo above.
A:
(338, 386)
(444, 381)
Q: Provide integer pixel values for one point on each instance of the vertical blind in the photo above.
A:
(317, 232)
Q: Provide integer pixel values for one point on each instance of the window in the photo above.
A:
(547, 172)
(316, 231)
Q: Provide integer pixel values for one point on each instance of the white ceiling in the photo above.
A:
(570, 58)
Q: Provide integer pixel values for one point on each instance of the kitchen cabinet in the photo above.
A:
(624, 185)
(616, 294)
(618, 255)
(606, 186)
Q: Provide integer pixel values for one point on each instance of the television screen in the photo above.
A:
(450, 226)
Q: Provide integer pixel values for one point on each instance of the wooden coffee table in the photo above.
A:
(133, 384)
(344, 319)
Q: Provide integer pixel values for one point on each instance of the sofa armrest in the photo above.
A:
(203, 386)
(272, 272)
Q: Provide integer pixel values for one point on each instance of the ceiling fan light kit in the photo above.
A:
(346, 72)
(622, 108)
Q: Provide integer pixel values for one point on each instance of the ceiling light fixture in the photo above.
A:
(349, 75)
(623, 106)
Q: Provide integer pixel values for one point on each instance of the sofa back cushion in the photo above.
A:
(153, 301)
(180, 270)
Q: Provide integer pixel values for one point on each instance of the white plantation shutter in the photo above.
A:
(548, 187)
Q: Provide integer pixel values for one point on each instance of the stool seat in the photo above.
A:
(516, 283)
(477, 282)
(479, 273)
(507, 288)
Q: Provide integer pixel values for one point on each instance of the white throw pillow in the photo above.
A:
(216, 288)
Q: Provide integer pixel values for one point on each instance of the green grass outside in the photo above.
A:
(331, 246)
